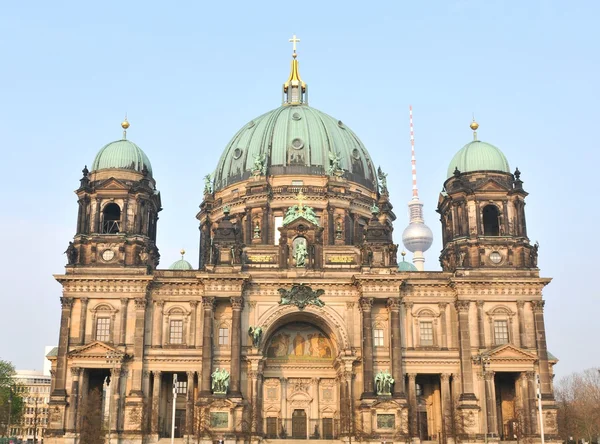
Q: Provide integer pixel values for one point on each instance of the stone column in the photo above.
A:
(157, 317)
(446, 403)
(412, 403)
(315, 402)
(524, 404)
(409, 324)
(63, 347)
(367, 351)
(521, 318)
(194, 317)
(255, 420)
(138, 347)
(490, 402)
(330, 226)
(248, 229)
(82, 318)
(466, 364)
(396, 347)
(189, 406)
(115, 395)
(208, 305)
(542, 351)
(283, 383)
(531, 401)
(73, 399)
(156, 400)
(124, 302)
(237, 304)
(442, 306)
(97, 217)
(480, 325)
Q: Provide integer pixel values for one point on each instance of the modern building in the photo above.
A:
(297, 321)
(34, 387)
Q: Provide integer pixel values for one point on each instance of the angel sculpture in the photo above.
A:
(334, 164)
(208, 188)
(256, 335)
(383, 179)
(260, 165)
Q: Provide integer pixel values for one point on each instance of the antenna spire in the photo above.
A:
(413, 160)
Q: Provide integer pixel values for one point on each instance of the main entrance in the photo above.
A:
(300, 390)
(299, 424)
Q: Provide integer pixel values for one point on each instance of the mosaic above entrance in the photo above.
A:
(300, 341)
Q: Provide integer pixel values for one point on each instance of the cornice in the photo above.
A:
(89, 284)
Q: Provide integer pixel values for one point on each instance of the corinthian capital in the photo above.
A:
(66, 302)
(237, 302)
(538, 306)
(365, 304)
(463, 305)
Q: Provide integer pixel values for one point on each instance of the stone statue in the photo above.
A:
(260, 165)
(72, 254)
(290, 214)
(256, 335)
(300, 254)
(208, 187)
(334, 164)
(383, 179)
(220, 381)
(310, 215)
(384, 383)
(533, 254)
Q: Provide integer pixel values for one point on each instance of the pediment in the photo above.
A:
(112, 184)
(95, 349)
(491, 185)
(509, 352)
(300, 220)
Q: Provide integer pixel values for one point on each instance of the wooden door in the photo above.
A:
(299, 424)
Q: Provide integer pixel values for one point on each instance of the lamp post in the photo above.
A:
(539, 399)
(9, 410)
(174, 405)
(112, 357)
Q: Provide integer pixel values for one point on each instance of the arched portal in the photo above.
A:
(301, 396)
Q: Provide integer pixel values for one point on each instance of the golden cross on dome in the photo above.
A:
(293, 41)
(301, 199)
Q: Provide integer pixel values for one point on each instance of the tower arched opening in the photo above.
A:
(491, 220)
(111, 219)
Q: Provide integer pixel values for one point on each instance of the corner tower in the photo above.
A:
(482, 208)
(118, 209)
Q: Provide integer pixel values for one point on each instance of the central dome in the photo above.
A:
(295, 139)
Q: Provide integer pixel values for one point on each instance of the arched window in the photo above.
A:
(491, 219)
(111, 219)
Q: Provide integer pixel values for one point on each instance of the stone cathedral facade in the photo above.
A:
(300, 320)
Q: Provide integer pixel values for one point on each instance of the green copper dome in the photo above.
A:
(181, 264)
(295, 139)
(406, 266)
(478, 156)
(122, 154)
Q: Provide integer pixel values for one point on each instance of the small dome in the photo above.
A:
(417, 237)
(478, 156)
(122, 154)
(295, 140)
(406, 266)
(181, 264)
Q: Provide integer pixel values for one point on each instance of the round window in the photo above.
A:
(296, 116)
(108, 255)
(297, 144)
(251, 124)
(237, 153)
(495, 257)
(355, 153)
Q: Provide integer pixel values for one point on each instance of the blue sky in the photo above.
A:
(190, 74)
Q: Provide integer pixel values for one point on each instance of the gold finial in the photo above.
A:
(293, 41)
(403, 254)
(294, 88)
(474, 125)
(125, 125)
(182, 252)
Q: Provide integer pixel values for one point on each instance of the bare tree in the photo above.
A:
(578, 399)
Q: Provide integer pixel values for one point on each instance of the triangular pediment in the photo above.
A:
(94, 349)
(491, 185)
(300, 220)
(509, 352)
(112, 184)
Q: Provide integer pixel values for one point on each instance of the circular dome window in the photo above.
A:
(251, 124)
(297, 144)
(296, 116)
(237, 153)
(341, 124)
(355, 154)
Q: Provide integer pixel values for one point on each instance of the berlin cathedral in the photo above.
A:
(301, 319)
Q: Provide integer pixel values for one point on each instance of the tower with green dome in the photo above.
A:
(118, 209)
(482, 208)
